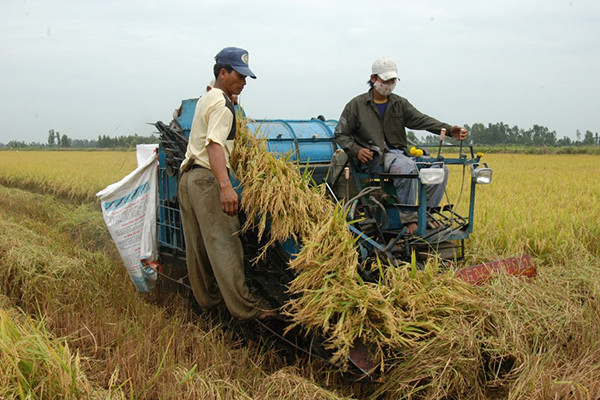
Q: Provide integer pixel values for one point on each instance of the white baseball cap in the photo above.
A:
(385, 68)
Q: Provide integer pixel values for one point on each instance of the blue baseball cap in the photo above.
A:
(237, 58)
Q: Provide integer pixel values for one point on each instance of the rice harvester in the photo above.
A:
(373, 211)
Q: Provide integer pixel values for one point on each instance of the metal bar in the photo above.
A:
(422, 211)
(471, 208)
(365, 238)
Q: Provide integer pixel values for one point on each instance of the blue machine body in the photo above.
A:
(307, 141)
(311, 144)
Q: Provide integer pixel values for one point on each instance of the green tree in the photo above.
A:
(513, 135)
(14, 144)
(478, 133)
(526, 137)
(588, 138)
(412, 138)
(51, 138)
(565, 141)
(65, 141)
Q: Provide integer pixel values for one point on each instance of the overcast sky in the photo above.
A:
(89, 68)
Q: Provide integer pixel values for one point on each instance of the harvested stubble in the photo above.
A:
(126, 341)
(432, 333)
(35, 365)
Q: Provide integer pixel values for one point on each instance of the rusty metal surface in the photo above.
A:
(518, 266)
(362, 358)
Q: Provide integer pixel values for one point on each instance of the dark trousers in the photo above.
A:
(213, 248)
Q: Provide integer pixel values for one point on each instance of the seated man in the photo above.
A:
(378, 120)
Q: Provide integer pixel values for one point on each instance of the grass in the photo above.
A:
(35, 365)
(442, 337)
(145, 346)
(513, 338)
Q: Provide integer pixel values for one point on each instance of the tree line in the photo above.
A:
(502, 134)
(56, 140)
(479, 134)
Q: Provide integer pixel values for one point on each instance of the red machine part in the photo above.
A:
(518, 266)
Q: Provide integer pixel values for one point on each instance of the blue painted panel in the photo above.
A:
(187, 114)
(280, 137)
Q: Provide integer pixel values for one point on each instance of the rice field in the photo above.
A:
(72, 325)
(75, 175)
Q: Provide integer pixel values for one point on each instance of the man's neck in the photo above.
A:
(378, 97)
(218, 86)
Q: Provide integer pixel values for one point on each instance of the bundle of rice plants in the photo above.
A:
(286, 384)
(409, 316)
(275, 194)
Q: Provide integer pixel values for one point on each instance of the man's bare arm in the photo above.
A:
(218, 165)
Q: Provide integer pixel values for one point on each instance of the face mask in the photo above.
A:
(384, 89)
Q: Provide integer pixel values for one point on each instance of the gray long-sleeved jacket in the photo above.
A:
(360, 124)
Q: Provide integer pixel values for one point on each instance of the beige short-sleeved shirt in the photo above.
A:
(214, 121)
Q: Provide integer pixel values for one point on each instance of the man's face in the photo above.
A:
(383, 88)
(232, 82)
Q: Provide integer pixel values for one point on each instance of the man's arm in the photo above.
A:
(415, 119)
(344, 138)
(218, 165)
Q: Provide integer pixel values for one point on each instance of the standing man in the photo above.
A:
(207, 200)
(377, 120)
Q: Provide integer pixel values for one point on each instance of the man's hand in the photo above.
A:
(365, 155)
(229, 201)
(458, 132)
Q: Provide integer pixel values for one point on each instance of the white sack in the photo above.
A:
(143, 152)
(129, 209)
